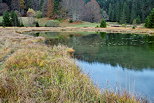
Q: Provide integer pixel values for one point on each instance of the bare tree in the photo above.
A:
(3, 7)
(74, 8)
(92, 12)
(15, 5)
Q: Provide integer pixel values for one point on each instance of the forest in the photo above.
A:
(122, 11)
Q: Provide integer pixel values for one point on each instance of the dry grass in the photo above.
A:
(35, 73)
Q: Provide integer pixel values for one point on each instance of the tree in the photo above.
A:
(6, 19)
(15, 5)
(150, 20)
(3, 7)
(123, 18)
(73, 8)
(138, 20)
(103, 24)
(48, 8)
(92, 12)
(14, 19)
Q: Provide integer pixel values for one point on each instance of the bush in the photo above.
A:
(31, 13)
(37, 24)
(52, 23)
(134, 27)
(103, 24)
(70, 21)
(97, 26)
(124, 25)
(39, 14)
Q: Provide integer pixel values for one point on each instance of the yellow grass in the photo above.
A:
(35, 73)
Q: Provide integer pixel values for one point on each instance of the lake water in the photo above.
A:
(113, 61)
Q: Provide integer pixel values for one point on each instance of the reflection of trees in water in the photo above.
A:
(126, 50)
(127, 39)
(105, 48)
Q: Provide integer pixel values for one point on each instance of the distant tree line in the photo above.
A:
(122, 11)
(126, 11)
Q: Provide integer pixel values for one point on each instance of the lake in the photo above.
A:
(118, 62)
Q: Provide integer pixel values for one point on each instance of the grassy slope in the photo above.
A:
(33, 72)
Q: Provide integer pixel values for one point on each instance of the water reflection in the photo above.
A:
(113, 61)
(129, 51)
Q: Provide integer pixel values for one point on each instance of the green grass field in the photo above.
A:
(86, 24)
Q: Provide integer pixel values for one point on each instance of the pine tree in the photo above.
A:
(6, 19)
(138, 20)
(150, 20)
(123, 18)
(14, 19)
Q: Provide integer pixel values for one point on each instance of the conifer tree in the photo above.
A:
(6, 19)
(150, 20)
(14, 19)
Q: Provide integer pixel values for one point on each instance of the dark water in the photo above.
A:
(114, 61)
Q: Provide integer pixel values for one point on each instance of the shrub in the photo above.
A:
(52, 23)
(134, 27)
(103, 24)
(97, 26)
(37, 24)
(31, 13)
(70, 21)
(124, 25)
(39, 14)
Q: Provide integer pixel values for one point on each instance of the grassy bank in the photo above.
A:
(33, 72)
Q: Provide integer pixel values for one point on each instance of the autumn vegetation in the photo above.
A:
(29, 74)
(31, 71)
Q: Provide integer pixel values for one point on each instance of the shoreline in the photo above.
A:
(82, 29)
(36, 72)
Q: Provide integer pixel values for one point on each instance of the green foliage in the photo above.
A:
(134, 22)
(39, 14)
(103, 24)
(6, 19)
(97, 26)
(134, 27)
(138, 20)
(124, 25)
(70, 21)
(129, 9)
(149, 23)
(14, 19)
(52, 23)
(37, 24)
(10, 19)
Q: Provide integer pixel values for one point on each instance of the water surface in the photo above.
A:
(114, 61)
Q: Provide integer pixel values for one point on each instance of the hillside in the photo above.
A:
(122, 11)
